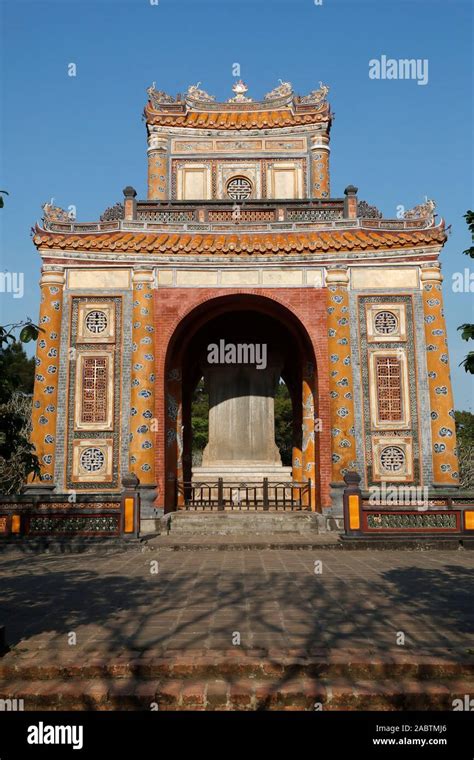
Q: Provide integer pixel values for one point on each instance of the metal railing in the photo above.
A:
(242, 496)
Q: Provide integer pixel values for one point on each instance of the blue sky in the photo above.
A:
(81, 140)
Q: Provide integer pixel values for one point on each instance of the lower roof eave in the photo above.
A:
(130, 260)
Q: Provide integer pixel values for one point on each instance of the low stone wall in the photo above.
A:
(37, 512)
(436, 514)
(55, 515)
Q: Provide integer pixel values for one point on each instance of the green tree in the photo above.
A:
(284, 424)
(17, 454)
(465, 437)
(467, 328)
(17, 372)
(199, 421)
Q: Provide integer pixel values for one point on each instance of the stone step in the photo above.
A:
(235, 663)
(240, 542)
(241, 693)
(222, 523)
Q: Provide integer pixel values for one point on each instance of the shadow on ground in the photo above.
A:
(57, 596)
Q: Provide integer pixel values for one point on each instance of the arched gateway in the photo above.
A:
(255, 340)
(240, 243)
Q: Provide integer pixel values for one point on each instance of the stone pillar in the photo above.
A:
(320, 166)
(308, 432)
(174, 439)
(45, 393)
(142, 410)
(129, 203)
(340, 376)
(241, 416)
(157, 168)
(350, 202)
(297, 454)
(443, 430)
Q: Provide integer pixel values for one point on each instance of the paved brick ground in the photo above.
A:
(273, 599)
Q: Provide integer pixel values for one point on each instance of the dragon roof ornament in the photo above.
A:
(316, 97)
(422, 211)
(55, 213)
(284, 89)
(197, 99)
(158, 97)
(195, 94)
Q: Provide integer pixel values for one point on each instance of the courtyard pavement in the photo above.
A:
(309, 600)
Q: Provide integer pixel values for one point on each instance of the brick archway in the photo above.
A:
(181, 312)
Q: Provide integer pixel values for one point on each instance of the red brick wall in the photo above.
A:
(308, 305)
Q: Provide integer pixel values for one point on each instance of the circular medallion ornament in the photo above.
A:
(385, 323)
(239, 188)
(96, 321)
(92, 459)
(392, 459)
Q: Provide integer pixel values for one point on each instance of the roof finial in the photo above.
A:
(240, 88)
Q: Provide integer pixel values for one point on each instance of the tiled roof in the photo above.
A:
(235, 119)
(243, 243)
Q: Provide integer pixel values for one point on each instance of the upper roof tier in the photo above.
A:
(262, 227)
(280, 107)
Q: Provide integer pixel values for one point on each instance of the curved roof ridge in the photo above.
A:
(340, 240)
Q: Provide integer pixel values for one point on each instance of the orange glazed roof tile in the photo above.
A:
(234, 119)
(247, 243)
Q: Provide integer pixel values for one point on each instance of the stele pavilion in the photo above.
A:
(240, 240)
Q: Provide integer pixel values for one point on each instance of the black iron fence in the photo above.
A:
(241, 496)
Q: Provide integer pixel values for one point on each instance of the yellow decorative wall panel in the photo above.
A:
(142, 415)
(340, 375)
(45, 394)
(157, 168)
(320, 180)
(443, 430)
